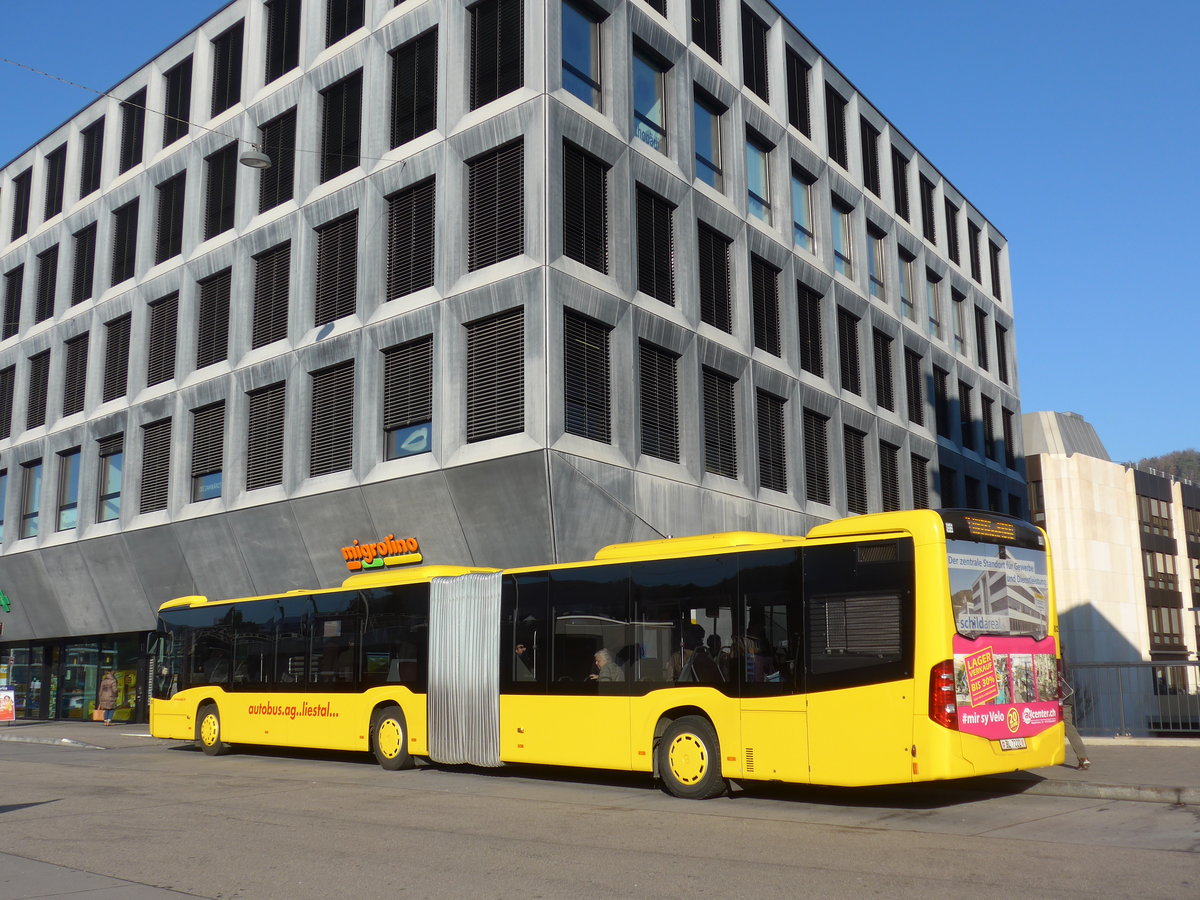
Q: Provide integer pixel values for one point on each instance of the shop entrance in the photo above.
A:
(61, 679)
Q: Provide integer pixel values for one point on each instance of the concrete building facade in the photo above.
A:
(523, 278)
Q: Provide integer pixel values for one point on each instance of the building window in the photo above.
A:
(408, 398)
(1191, 519)
(720, 424)
(981, 336)
(108, 482)
(8, 379)
(160, 354)
(958, 318)
(802, 214)
(920, 482)
(271, 282)
(1002, 353)
(933, 304)
(772, 442)
(649, 101)
(337, 269)
(706, 26)
(1166, 632)
(585, 208)
(835, 126)
(707, 114)
(883, 370)
(994, 262)
(758, 178)
(889, 476)
(68, 489)
(907, 307)
(658, 399)
(116, 357)
(414, 87)
(843, 238)
(497, 49)
(83, 276)
(14, 285)
(966, 416)
(949, 483)
(92, 157)
(812, 356)
(56, 175)
(410, 241)
(900, 183)
(133, 130)
(208, 438)
(1160, 571)
(928, 222)
(31, 497)
(848, 360)
(994, 501)
(331, 441)
(586, 377)
(156, 466)
(75, 374)
(875, 257)
(715, 291)
(973, 251)
(169, 238)
(951, 231)
(496, 376)
(855, 443)
(581, 54)
(870, 155)
(283, 37)
(816, 457)
(754, 53)
(264, 436)
(496, 206)
(798, 72)
(989, 427)
(124, 246)
(655, 246)
(1155, 516)
(227, 69)
(341, 18)
(278, 138)
(212, 331)
(914, 387)
(941, 401)
(1010, 450)
(341, 131)
(47, 284)
(177, 101)
(764, 293)
(39, 382)
(21, 186)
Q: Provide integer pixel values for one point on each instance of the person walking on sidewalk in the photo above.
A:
(1067, 699)
(106, 700)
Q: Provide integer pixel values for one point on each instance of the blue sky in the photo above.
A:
(1071, 125)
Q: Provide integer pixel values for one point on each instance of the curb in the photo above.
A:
(1087, 790)
(50, 742)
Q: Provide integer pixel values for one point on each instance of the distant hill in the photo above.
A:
(1181, 464)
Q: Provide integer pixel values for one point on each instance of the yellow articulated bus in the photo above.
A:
(880, 649)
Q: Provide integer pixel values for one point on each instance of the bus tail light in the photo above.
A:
(943, 706)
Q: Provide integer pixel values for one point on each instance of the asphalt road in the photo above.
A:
(289, 825)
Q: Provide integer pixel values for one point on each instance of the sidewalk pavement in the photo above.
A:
(1159, 770)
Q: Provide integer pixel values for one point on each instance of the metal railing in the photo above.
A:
(1143, 699)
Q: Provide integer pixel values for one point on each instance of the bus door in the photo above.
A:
(859, 631)
(765, 655)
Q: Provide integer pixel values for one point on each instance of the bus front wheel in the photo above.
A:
(389, 739)
(689, 759)
(208, 731)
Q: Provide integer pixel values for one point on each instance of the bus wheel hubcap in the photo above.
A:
(389, 739)
(208, 730)
(688, 758)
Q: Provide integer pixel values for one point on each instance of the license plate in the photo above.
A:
(1012, 743)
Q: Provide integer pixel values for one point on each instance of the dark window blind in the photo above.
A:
(920, 482)
(414, 87)
(156, 466)
(966, 416)
(331, 443)
(341, 131)
(337, 269)
(855, 446)
(92, 158)
(764, 291)
(835, 126)
(407, 395)
(212, 320)
(585, 208)
(410, 239)
(496, 206)
(56, 172)
(715, 291)
(75, 374)
(586, 377)
(848, 357)
(227, 68)
(913, 388)
(14, 286)
(883, 370)
(659, 402)
(497, 49)
(928, 222)
(900, 183)
(283, 37)
(341, 18)
(941, 401)
(116, 357)
(222, 169)
(798, 74)
(160, 353)
(264, 436)
(8, 381)
(951, 231)
(812, 354)
(47, 284)
(21, 186)
(83, 276)
(889, 476)
(168, 240)
(496, 376)
(208, 439)
(272, 273)
(816, 457)
(754, 53)
(870, 155)
(655, 246)
(720, 424)
(124, 246)
(706, 26)
(278, 138)
(177, 101)
(39, 383)
(772, 446)
(133, 130)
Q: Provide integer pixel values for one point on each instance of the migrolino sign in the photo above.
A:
(391, 551)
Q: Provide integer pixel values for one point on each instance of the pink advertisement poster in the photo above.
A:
(1005, 686)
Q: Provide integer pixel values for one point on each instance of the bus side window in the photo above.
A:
(524, 636)
(395, 640)
(591, 613)
(768, 649)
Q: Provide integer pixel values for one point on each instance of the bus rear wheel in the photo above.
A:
(208, 731)
(389, 739)
(689, 760)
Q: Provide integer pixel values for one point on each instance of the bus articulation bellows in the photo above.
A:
(879, 649)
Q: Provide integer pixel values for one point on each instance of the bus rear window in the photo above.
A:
(998, 589)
